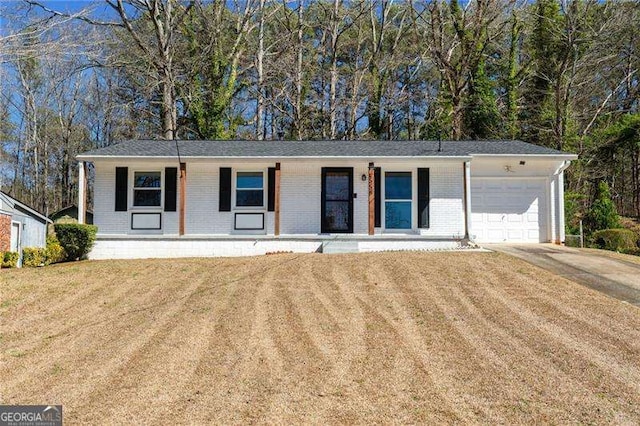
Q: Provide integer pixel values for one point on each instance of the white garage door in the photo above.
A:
(509, 210)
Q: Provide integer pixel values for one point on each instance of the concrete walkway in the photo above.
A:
(614, 277)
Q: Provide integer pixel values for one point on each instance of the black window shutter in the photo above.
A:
(423, 198)
(170, 188)
(121, 188)
(377, 179)
(225, 189)
(271, 190)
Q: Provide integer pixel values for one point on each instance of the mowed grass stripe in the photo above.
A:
(383, 337)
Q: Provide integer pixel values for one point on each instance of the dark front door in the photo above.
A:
(337, 199)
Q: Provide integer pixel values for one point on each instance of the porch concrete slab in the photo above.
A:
(615, 277)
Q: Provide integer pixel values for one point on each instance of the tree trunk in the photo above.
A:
(297, 114)
(260, 77)
(512, 83)
(333, 76)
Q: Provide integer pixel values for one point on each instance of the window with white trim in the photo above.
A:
(147, 189)
(249, 189)
(397, 196)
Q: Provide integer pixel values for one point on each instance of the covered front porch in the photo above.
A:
(299, 199)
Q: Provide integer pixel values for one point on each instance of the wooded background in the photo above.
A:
(562, 74)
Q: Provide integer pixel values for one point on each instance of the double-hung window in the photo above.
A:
(147, 189)
(249, 189)
(397, 195)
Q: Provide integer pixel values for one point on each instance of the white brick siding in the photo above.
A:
(133, 248)
(300, 204)
(110, 221)
(300, 190)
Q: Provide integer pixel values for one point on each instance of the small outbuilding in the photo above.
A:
(20, 225)
(70, 215)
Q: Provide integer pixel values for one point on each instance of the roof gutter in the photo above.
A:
(530, 156)
(270, 157)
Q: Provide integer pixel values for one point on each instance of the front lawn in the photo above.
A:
(386, 337)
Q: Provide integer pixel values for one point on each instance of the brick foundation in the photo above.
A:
(5, 232)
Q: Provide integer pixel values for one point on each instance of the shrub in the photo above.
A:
(34, 256)
(54, 251)
(602, 214)
(10, 259)
(616, 239)
(77, 240)
(635, 251)
(573, 211)
(38, 256)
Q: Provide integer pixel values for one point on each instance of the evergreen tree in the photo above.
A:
(481, 116)
(544, 47)
(602, 214)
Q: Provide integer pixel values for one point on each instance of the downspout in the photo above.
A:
(82, 192)
(467, 200)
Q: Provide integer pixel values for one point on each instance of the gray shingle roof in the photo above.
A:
(301, 149)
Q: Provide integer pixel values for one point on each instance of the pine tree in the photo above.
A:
(602, 214)
(481, 115)
(545, 44)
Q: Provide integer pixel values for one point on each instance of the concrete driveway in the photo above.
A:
(615, 277)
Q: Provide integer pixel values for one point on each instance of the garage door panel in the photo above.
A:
(494, 185)
(495, 234)
(515, 234)
(494, 218)
(533, 234)
(514, 218)
(508, 184)
(510, 209)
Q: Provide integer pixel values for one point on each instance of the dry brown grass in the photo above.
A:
(631, 223)
(398, 337)
(631, 258)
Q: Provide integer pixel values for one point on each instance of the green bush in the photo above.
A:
(77, 240)
(602, 214)
(635, 251)
(34, 256)
(573, 208)
(54, 251)
(615, 240)
(10, 259)
(38, 256)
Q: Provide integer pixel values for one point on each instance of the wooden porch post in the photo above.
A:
(372, 199)
(183, 195)
(276, 201)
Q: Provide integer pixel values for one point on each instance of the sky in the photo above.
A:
(100, 9)
(63, 5)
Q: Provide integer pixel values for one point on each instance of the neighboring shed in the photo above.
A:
(20, 225)
(70, 215)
